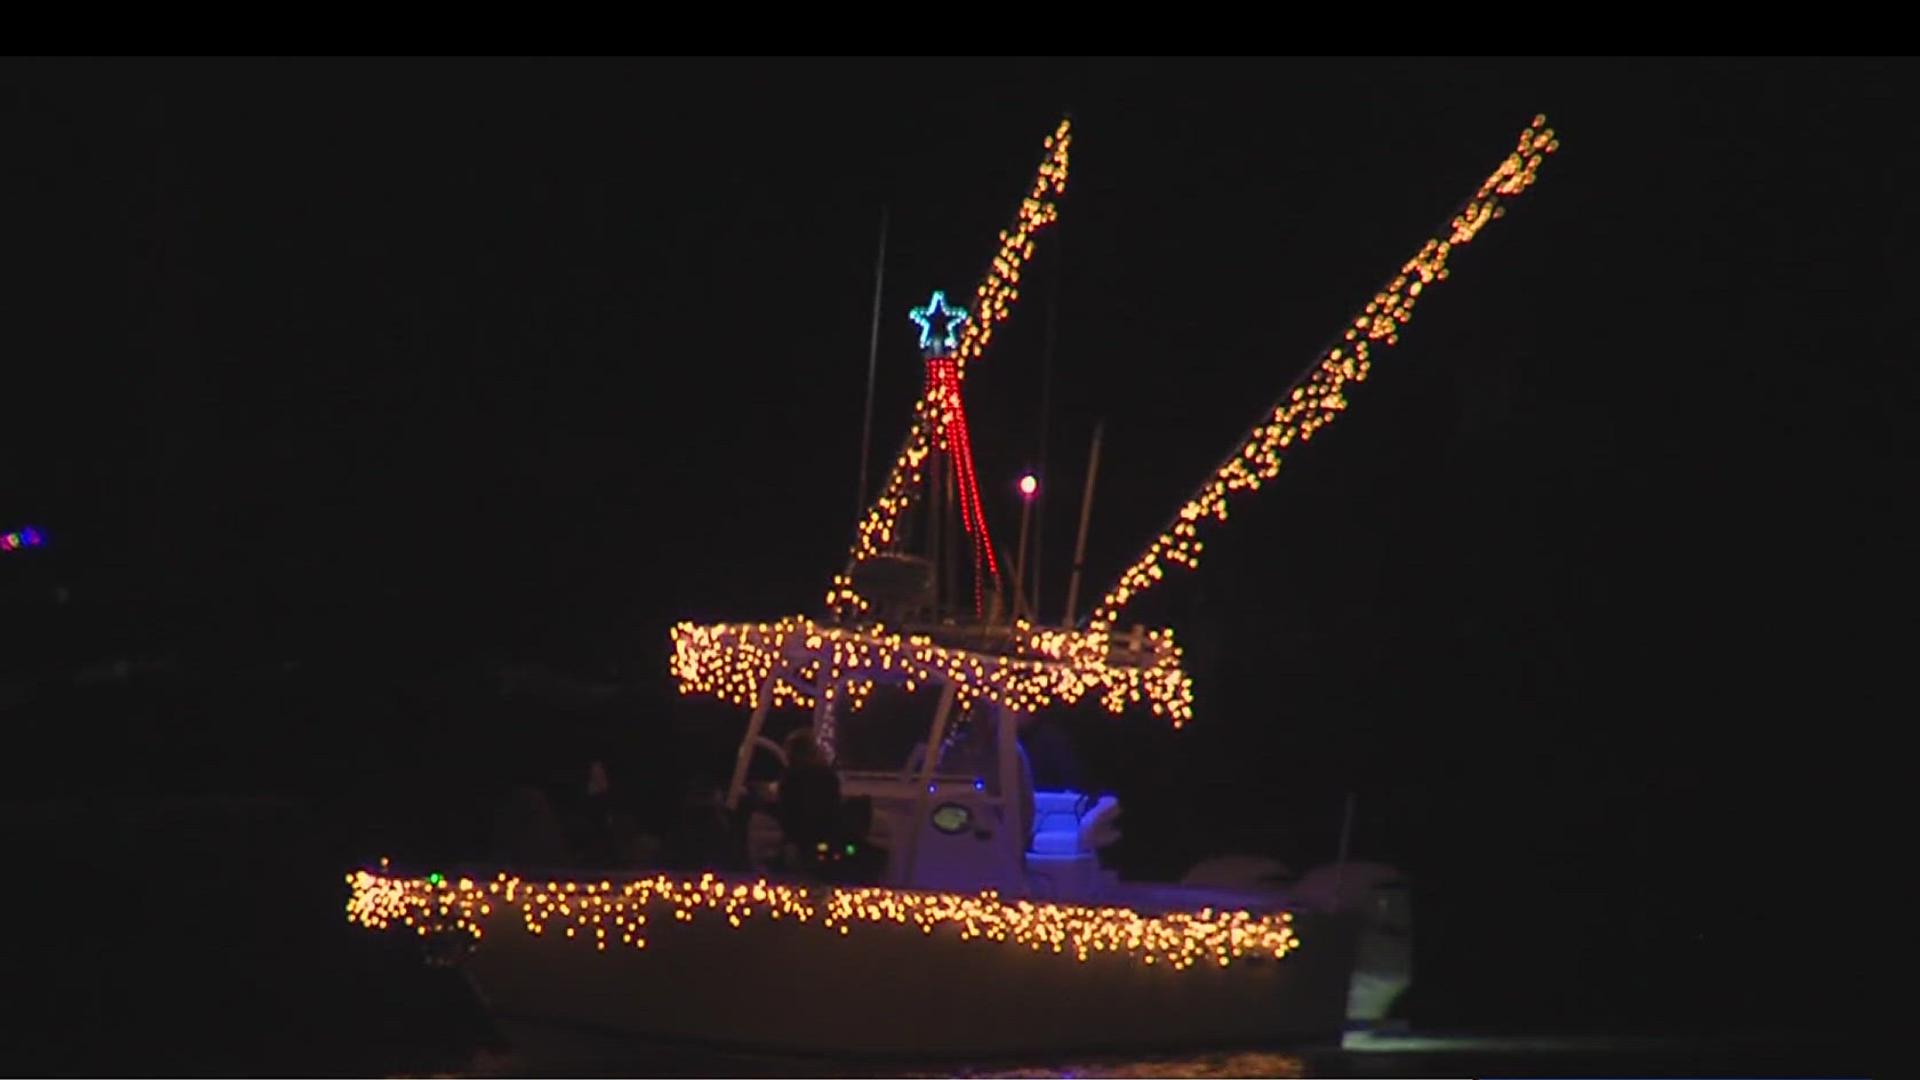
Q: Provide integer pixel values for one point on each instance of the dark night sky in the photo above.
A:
(481, 356)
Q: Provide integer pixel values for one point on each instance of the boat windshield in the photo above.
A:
(889, 733)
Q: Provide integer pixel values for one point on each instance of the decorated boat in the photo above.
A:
(950, 907)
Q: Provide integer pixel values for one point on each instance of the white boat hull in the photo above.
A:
(897, 991)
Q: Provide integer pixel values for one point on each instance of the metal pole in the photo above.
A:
(927, 765)
(949, 537)
(763, 701)
(1020, 556)
(936, 526)
(1340, 861)
(1046, 401)
(1086, 511)
(999, 603)
(873, 353)
(1013, 818)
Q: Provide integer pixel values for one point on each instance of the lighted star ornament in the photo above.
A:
(940, 323)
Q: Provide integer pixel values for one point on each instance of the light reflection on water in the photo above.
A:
(1234, 1064)
(1223, 1065)
(1427, 1056)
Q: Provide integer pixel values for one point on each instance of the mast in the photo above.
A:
(1029, 490)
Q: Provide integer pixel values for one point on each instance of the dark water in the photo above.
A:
(152, 933)
(182, 937)
(1411, 1056)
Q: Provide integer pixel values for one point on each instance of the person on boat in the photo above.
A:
(809, 801)
(703, 836)
(825, 835)
(527, 831)
(597, 842)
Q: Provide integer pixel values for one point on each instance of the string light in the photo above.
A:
(19, 539)
(1319, 397)
(733, 662)
(626, 914)
(878, 529)
(950, 435)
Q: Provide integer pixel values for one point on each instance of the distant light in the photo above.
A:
(1029, 484)
(979, 784)
(23, 538)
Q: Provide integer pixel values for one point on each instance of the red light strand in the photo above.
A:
(943, 386)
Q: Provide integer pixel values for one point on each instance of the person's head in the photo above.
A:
(801, 749)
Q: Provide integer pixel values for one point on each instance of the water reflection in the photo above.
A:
(1210, 1065)
(672, 1063)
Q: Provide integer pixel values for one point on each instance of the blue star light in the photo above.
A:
(938, 341)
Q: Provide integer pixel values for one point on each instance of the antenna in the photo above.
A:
(1046, 399)
(1346, 835)
(1086, 511)
(873, 353)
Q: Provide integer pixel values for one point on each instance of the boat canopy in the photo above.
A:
(1019, 667)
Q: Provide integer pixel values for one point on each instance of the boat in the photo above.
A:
(960, 912)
